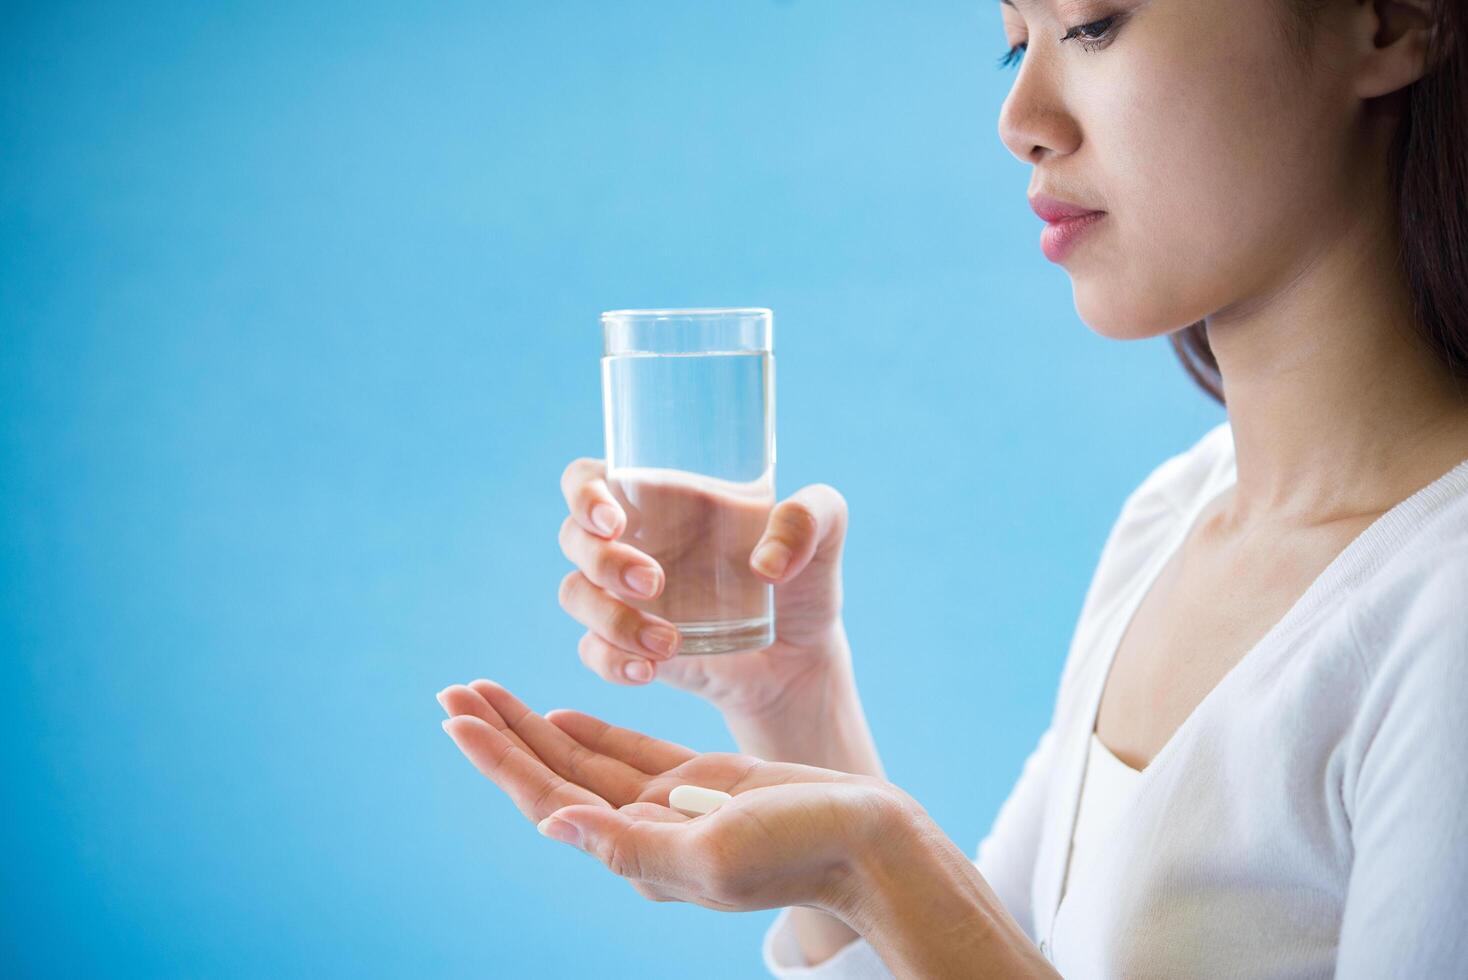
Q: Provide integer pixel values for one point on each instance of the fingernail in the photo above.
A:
(604, 517)
(559, 830)
(445, 726)
(638, 670)
(772, 558)
(658, 639)
(642, 579)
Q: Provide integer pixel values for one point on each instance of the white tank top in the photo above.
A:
(1105, 791)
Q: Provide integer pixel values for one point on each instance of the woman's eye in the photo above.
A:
(1091, 35)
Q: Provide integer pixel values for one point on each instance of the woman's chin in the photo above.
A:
(1126, 321)
(1124, 328)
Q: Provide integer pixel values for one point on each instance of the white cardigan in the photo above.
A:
(1308, 819)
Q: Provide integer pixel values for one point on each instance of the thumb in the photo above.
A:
(809, 524)
(580, 825)
(631, 847)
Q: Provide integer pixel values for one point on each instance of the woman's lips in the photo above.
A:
(1059, 237)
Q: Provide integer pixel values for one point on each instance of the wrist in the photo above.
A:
(815, 719)
(886, 837)
(793, 674)
(921, 902)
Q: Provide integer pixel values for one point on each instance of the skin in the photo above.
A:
(1244, 185)
(786, 837)
(853, 847)
(809, 528)
(1338, 411)
(795, 700)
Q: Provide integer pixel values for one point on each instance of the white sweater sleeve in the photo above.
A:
(1406, 793)
(1006, 859)
(857, 960)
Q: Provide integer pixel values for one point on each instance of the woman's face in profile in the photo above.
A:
(1224, 158)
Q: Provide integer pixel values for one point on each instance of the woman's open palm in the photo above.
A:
(782, 839)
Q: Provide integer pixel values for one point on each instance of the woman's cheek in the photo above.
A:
(1187, 150)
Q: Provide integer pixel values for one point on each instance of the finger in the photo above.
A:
(534, 789)
(810, 523)
(458, 699)
(610, 778)
(615, 621)
(613, 663)
(584, 486)
(738, 772)
(643, 752)
(616, 567)
(654, 851)
(653, 811)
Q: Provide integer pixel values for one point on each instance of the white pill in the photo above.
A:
(691, 801)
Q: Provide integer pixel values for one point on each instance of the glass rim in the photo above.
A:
(699, 313)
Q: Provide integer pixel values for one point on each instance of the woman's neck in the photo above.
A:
(1337, 406)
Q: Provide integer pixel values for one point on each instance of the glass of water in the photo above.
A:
(689, 403)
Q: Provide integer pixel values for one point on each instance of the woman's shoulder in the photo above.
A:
(1409, 630)
(1414, 597)
(1404, 612)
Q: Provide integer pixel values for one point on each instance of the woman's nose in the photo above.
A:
(1034, 118)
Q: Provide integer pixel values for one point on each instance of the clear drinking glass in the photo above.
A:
(689, 405)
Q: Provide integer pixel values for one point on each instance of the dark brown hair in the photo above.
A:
(1429, 171)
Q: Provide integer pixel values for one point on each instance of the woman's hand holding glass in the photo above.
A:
(807, 529)
(791, 834)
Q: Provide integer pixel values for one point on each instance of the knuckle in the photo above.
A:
(537, 805)
(607, 567)
(583, 468)
(595, 654)
(799, 521)
(641, 749)
(570, 586)
(620, 858)
(576, 758)
(625, 623)
(586, 498)
(833, 496)
(574, 475)
(568, 529)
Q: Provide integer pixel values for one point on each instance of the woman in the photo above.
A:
(1255, 765)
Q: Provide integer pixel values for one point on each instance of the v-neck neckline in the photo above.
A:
(1362, 555)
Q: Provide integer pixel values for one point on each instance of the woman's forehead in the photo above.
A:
(1041, 6)
(1034, 8)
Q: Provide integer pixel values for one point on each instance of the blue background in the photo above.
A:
(298, 329)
